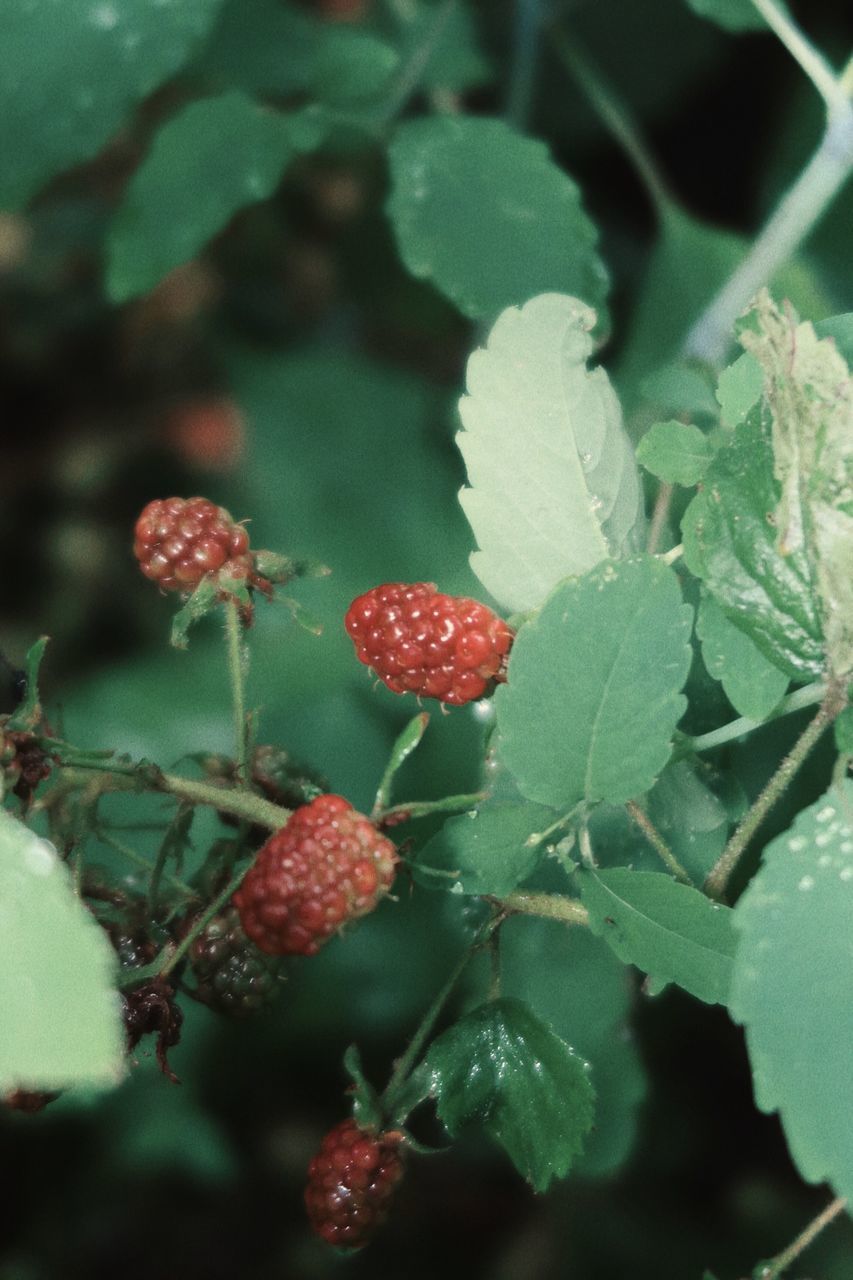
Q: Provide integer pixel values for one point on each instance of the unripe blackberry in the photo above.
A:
(233, 976)
(179, 541)
(350, 1184)
(328, 865)
(418, 640)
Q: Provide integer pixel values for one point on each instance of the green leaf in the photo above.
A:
(739, 389)
(70, 75)
(730, 543)
(752, 683)
(681, 388)
(575, 984)
(791, 987)
(60, 1012)
(809, 391)
(553, 487)
(487, 217)
(669, 930)
(691, 818)
(203, 601)
(455, 60)
(366, 1106)
(675, 452)
(592, 697)
(504, 1068)
(489, 850)
(732, 15)
(840, 329)
(843, 728)
(210, 160)
(28, 714)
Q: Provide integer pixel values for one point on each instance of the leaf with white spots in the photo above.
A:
(59, 1009)
(553, 487)
(71, 72)
(793, 986)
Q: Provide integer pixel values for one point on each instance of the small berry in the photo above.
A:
(350, 1184)
(179, 541)
(233, 976)
(327, 866)
(418, 640)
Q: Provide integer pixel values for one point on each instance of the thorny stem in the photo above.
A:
(549, 906)
(237, 678)
(656, 840)
(171, 955)
(783, 1260)
(835, 700)
(808, 696)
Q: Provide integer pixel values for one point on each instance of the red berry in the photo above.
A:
(350, 1184)
(178, 541)
(418, 640)
(327, 866)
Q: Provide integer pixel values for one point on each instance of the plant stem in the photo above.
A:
(802, 51)
(783, 1260)
(660, 515)
(549, 906)
(614, 115)
(525, 44)
(145, 863)
(237, 679)
(808, 696)
(656, 840)
(791, 222)
(835, 699)
(173, 956)
(412, 71)
(423, 808)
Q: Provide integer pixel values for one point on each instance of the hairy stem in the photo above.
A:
(237, 679)
(835, 699)
(548, 906)
(656, 840)
(783, 1260)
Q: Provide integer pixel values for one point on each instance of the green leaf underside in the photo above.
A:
(675, 452)
(487, 217)
(730, 543)
(593, 695)
(732, 15)
(489, 850)
(793, 990)
(669, 930)
(553, 487)
(210, 160)
(503, 1068)
(96, 59)
(809, 393)
(60, 1012)
(752, 683)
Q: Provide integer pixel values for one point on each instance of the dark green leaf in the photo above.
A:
(730, 543)
(210, 160)
(669, 930)
(593, 692)
(504, 1068)
(71, 74)
(60, 1011)
(675, 452)
(487, 216)
(752, 683)
(792, 985)
(489, 850)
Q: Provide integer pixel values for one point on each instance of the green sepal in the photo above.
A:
(366, 1105)
(28, 714)
(405, 743)
(202, 601)
(279, 569)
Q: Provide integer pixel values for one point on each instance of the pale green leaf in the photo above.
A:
(210, 160)
(669, 930)
(809, 390)
(486, 216)
(593, 695)
(552, 484)
(502, 1067)
(60, 1011)
(488, 850)
(752, 683)
(675, 452)
(792, 986)
(71, 71)
(739, 389)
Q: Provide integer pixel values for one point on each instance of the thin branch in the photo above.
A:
(783, 1260)
(656, 840)
(810, 59)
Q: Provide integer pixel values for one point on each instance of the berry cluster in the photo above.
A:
(179, 541)
(233, 976)
(419, 640)
(350, 1183)
(327, 866)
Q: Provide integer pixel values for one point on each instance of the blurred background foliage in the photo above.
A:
(294, 371)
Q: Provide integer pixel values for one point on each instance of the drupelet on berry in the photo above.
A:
(178, 541)
(419, 640)
(328, 865)
(350, 1183)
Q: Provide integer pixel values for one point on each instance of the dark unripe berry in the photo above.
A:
(350, 1184)
(419, 640)
(327, 866)
(179, 541)
(233, 976)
